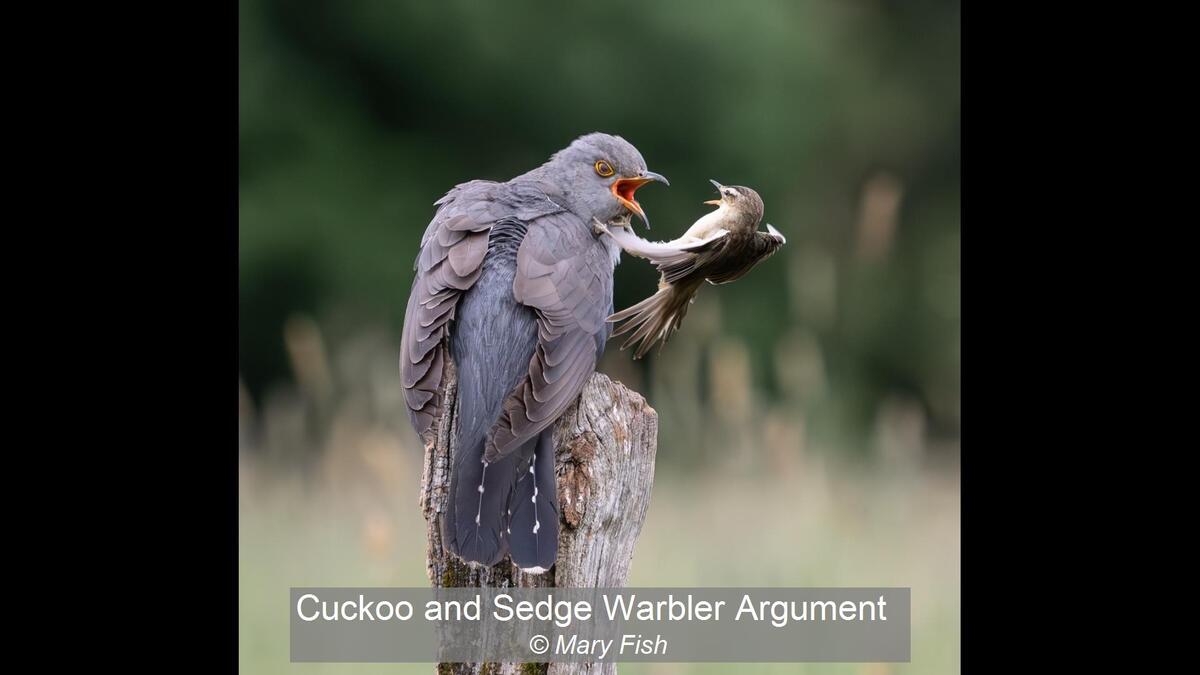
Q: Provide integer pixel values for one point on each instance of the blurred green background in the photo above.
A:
(820, 394)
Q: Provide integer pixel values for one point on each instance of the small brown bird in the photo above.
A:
(720, 247)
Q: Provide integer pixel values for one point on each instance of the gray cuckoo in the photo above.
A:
(514, 285)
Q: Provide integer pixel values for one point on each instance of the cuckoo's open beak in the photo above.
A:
(715, 202)
(624, 188)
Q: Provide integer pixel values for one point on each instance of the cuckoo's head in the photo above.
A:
(741, 205)
(600, 175)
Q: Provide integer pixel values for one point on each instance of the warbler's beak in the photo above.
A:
(715, 202)
(624, 188)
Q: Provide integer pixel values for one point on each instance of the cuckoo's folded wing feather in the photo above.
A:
(567, 279)
(451, 259)
(452, 251)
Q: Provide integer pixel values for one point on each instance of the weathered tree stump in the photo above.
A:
(604, 464)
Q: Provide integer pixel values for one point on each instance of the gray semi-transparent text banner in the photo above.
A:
(744, 625)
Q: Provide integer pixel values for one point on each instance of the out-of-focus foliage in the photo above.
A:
(356, 115)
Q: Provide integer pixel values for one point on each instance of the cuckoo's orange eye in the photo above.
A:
(604, 168)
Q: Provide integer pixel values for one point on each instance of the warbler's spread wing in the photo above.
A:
(759, 247)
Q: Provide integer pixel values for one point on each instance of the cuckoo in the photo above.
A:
(513, 284)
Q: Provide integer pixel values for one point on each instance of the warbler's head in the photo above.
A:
(744, 206)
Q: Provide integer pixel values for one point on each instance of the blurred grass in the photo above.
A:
(330, 475)
(815, 528)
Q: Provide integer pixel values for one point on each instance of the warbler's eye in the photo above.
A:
(604, 168)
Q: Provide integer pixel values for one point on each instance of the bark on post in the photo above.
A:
(604, 463)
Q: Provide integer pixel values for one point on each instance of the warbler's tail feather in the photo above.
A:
(654, 319)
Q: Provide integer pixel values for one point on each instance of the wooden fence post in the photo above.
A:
(604, 463)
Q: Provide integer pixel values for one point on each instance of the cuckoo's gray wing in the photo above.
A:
(451, 257)
(452, 251)
(565, 274)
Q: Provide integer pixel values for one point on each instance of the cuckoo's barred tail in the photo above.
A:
(655, 318)
(474, 523)
(491, 346)
(506, 507)
(533, 513)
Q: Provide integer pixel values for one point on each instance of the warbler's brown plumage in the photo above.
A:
(719, 248)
